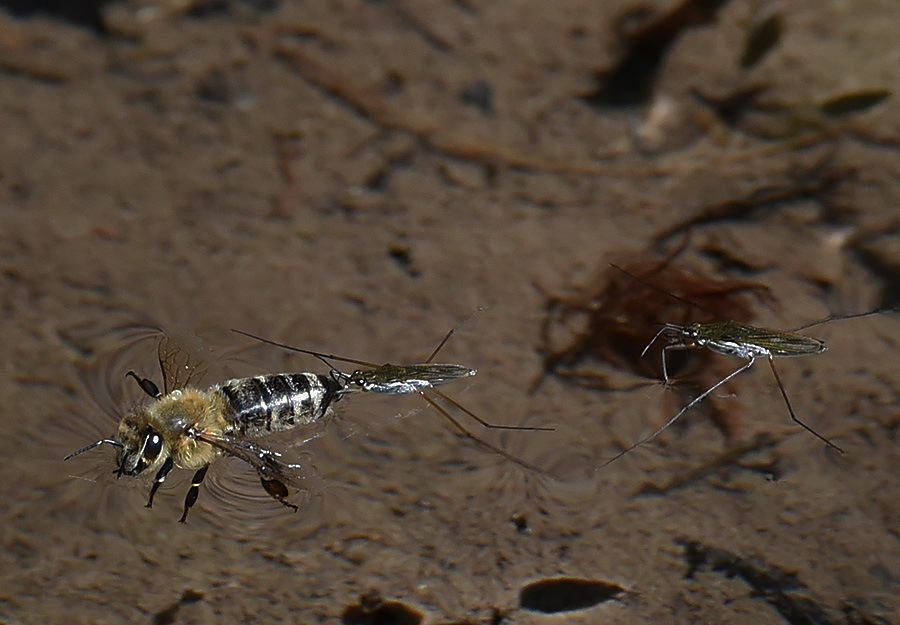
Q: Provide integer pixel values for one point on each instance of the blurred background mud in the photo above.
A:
(357, 177)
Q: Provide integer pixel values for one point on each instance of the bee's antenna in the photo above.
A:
(108, 441)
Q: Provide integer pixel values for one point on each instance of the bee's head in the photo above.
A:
(142, 447)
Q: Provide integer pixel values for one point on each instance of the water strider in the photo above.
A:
(745, 341)
(422, 378)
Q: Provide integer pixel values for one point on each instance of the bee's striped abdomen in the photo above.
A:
(272, 403)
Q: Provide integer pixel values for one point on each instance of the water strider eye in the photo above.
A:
(153, 445)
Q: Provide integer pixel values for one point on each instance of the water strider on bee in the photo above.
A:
(745, 341)
(190, 428)
(419, 378)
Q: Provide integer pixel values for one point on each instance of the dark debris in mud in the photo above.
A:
(567, 594)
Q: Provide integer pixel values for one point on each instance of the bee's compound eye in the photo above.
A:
(153, 445)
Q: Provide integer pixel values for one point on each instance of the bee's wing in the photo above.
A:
(268, 463)
(175, 363)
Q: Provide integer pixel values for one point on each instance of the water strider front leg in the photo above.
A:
(791, 410)
(665, 350)
(193, 492)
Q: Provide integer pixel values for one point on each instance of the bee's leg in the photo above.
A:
(146, 385)
(160, 478)
(193, 492)
(277, 490)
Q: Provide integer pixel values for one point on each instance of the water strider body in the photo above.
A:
(190, 428)
(732, 338)
(401, 379)
(736, 339)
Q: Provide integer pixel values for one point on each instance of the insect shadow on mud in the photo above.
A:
(421, 379)
(190, 428)
(736, 339)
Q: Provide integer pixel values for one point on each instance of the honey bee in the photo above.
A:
(190, 428)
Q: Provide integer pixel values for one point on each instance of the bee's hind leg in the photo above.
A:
(193, 492)
(277, 490)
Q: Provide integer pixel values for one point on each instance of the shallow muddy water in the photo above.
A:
(357, 178)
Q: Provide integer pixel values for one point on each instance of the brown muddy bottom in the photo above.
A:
(356, 178)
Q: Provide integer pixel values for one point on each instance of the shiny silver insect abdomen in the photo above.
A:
(273, 403)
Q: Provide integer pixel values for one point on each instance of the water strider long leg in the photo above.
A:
(486, 424)
(791, 410)
(481, 443)
(443, 341)
(452, 332)
(693, 403)
(193, 492)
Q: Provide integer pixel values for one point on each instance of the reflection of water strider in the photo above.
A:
(191, 428)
